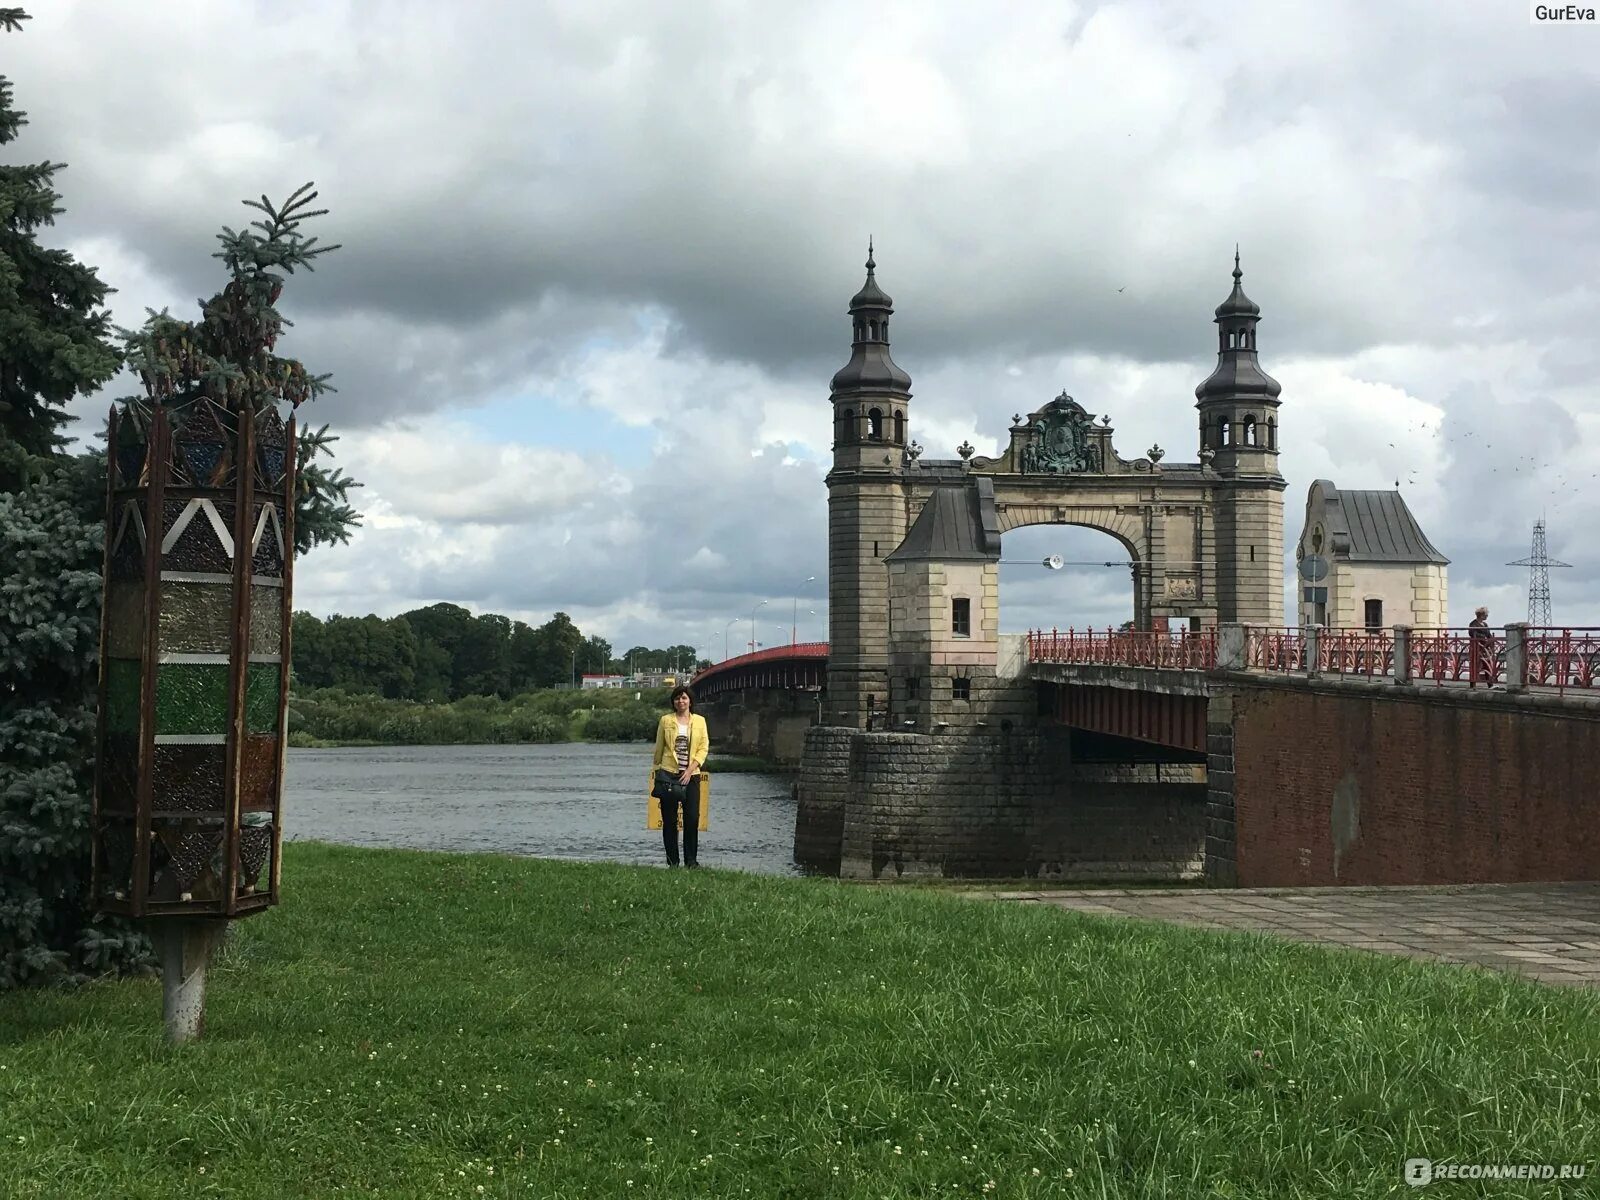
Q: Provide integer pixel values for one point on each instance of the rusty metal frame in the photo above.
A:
(157, 484)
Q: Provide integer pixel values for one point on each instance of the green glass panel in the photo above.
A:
(266, 620)
(122, 696)
(192, 698)
(262, 698)
(195, 617)
(125, 619)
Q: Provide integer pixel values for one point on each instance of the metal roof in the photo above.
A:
(1380, 527)
(957, 524)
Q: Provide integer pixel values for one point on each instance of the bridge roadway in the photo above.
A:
(1154, 687)
(1319, 758)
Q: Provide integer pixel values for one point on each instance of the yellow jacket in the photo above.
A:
(666, 743)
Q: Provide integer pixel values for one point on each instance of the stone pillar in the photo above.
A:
(1313, 651)
(1517, 657)
(1402, 654)
(1232, 641)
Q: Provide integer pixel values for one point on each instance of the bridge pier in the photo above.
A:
(996, 803)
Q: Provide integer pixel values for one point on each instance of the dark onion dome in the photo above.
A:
(1238, 304)
(870, 367)
(871, 295)
(1238, 374)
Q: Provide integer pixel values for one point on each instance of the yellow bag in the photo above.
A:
(652, 818)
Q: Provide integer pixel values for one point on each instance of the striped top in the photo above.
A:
(682, 746)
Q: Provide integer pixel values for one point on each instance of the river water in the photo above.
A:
(573, 800)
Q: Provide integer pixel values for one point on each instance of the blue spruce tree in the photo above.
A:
(54, 345)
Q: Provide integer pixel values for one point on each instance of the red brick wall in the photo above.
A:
(1347, 786)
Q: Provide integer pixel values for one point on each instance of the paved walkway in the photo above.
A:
(1549, 931)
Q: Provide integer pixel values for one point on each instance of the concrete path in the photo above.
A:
(1549, 931)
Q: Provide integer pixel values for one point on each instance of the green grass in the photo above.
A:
(412, 1024)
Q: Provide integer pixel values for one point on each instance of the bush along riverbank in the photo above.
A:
(333, 717)
(420, 1024)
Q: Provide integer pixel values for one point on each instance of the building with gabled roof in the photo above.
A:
(1363, 561)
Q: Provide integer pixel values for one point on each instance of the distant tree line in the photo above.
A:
(443, 653)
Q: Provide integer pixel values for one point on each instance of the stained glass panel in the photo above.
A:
(198, 547)
(201, 459)
(185, 859)
(255, 854)
(258, 774)
(188, 778)
(262, 690)
(196, 618)
(127, 552)
(116, 858)
(192, 698)
(130, 462)
(266, 620)
(122, 696)
(124, 618)
(269, 555)
(119, 773)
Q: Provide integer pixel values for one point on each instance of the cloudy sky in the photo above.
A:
(597, 256)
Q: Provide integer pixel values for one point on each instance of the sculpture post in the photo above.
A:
(194, 666)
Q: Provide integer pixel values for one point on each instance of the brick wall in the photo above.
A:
(1344, 783)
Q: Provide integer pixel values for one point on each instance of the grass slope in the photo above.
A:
(412, 1024)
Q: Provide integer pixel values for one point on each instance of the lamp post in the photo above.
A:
(753, 625)
(725, 633)
(795, 616)
(575, 670)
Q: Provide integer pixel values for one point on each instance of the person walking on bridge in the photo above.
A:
(1480, 642)
(682, 743)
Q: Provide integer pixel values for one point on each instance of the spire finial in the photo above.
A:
(870, 264)
(1237, 273)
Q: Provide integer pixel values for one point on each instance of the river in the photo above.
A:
(572, 800)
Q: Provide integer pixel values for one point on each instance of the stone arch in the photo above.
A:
(1127, 529)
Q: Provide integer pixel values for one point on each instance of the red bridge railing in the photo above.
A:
(1563, 659)
(1188, 651)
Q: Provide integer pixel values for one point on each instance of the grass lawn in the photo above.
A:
(412, 1024)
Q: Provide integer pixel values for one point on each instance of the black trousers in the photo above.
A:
(691, 825)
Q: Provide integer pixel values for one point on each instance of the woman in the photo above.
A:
(682, 744)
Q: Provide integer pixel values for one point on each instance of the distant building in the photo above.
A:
(602, 681)
(1380, 568)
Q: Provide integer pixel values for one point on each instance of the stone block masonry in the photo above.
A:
(992, 803)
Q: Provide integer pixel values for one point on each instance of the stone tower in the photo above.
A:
(866, 507)
(1238, 406)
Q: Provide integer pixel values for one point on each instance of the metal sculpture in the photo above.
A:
(194, 669)
(1059, 443)
(194, 672)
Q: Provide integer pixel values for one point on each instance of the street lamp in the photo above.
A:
(725, 633)
(795, 617)
(753, 624)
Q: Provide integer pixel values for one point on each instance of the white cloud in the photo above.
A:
(651, 216)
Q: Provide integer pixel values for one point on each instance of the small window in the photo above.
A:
(900, 428)
(961, 617)
(912, 684)
(1374, 614)
(875, 424)
(960, 689)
